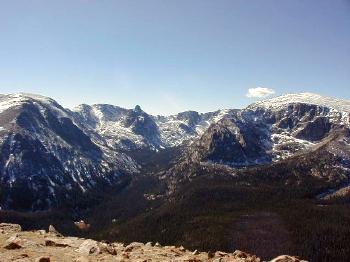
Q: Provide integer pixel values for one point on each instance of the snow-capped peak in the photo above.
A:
(304, 98)
(27, 96)
(14, 100)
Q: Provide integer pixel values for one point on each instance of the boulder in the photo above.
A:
(285, 258)
(89, 247)
(10, 228)
(133, 245)
(53, 231)
(107, 248)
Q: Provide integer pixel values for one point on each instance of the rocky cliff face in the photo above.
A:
(42, 246)
(268, 132)
(131, 129)
(233, 141)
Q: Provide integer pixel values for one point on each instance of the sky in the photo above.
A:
(170, 56)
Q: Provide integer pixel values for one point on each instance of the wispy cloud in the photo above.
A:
(260, 92)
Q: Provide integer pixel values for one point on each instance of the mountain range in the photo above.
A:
(157, 173)
(48, 151)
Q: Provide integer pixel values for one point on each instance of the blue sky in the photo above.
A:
(170, 56)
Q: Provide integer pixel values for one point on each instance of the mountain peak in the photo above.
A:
(19, 98)
(304, 98)
(26, 96)
(15, 100)
(137, 108)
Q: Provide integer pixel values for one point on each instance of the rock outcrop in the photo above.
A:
(26, 246)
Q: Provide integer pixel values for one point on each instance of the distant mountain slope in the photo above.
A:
(133, 128)
(46, 159)
(271, 130)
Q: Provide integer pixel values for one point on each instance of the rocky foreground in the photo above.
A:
(42, 246)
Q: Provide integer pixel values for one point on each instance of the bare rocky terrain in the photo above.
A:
(42, 246)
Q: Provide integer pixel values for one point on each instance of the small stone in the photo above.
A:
(53, 232)
(157, 244)
(55, 243)
(240, 254)
(149, 244)
(211, 254)
(52, 229)
(42, 259)
(13, 242)
(41, 232)
(13, 245)
(220, 254)
(182, 249)
(133, 245)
